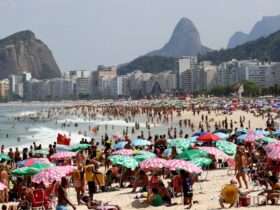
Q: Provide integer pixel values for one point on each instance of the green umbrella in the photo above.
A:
(180, 143)
(192, 154)
(267, 140)
(41, 152)
(4, 157)
(201, 161)
(125, 161)
(41, 166)
(25, 171)
(227, 147)
(143, 155)
(79, 147)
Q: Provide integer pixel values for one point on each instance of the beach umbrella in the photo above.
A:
(199, 133)
(202, 162)
(120, 145)
(2, 186)
(62, 148)
(241, 131)
(63, 155)
(42, 166)
(47, 176)
(208, 137)
(222, 135)
(41, 152)
(79, 147)
(225, 131)
(66, 170)
(218, 154)
(123, 152)
(4, 157)
(227, 147)
(25, 171)
(267, 140)
(262, 132)
(125, 161)
(179, 143)
(192, 154)
(32, 161)
(274, 152)
(167, 152)
(140, 142)
(276, 133)
(271, 146)
(153, 163)
(144, 155)
(182, 165)
(251, 137)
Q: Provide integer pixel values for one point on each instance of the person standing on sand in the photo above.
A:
(63, 200)
(241, 166)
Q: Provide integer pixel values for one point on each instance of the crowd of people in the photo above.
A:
(94, 172)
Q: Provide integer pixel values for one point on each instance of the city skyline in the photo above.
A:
(81, 35)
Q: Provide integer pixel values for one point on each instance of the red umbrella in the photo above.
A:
(208, 137)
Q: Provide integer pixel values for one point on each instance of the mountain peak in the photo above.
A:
(263, 28)
(185, 40)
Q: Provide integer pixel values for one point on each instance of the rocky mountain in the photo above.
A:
(263, 49)
(23, 52)
(262, 28)
(185, 41)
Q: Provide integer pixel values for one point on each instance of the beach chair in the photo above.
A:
(38, 199)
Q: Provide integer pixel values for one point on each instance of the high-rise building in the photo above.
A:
(4, 89)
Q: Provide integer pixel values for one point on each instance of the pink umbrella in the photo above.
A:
(66, 170)
(124, 152)
(216, 152)
(47, 176)
(273, 151)
(63, 155)
(251, 137)
(153, 163)
(2, 186)
(271, 146)
(182, 164)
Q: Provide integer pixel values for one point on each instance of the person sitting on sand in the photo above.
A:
(165, 194)
(229, 195)
(274, 193)
(141, 180)
(154, 198)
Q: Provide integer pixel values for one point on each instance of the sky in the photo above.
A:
(85, 33)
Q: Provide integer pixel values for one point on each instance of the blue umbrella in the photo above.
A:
(241, 131)
(120, 145)
(277, 133)
(262, 132)
(140, 142)
(199, 133)
(222, 135)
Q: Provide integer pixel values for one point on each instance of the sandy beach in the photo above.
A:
(205, 192)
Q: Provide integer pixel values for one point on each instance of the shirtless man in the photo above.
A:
(63, 200)
(241, 166)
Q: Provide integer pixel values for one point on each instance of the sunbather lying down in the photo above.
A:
(229, 195)
(99, 205)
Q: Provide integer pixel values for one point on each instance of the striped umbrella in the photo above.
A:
(127, 152)
(153, 163)
(218, 154)
(268, 148)
(63, 155)
(47, 176)
(183, 165)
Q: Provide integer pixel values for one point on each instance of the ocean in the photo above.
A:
(14, 133)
